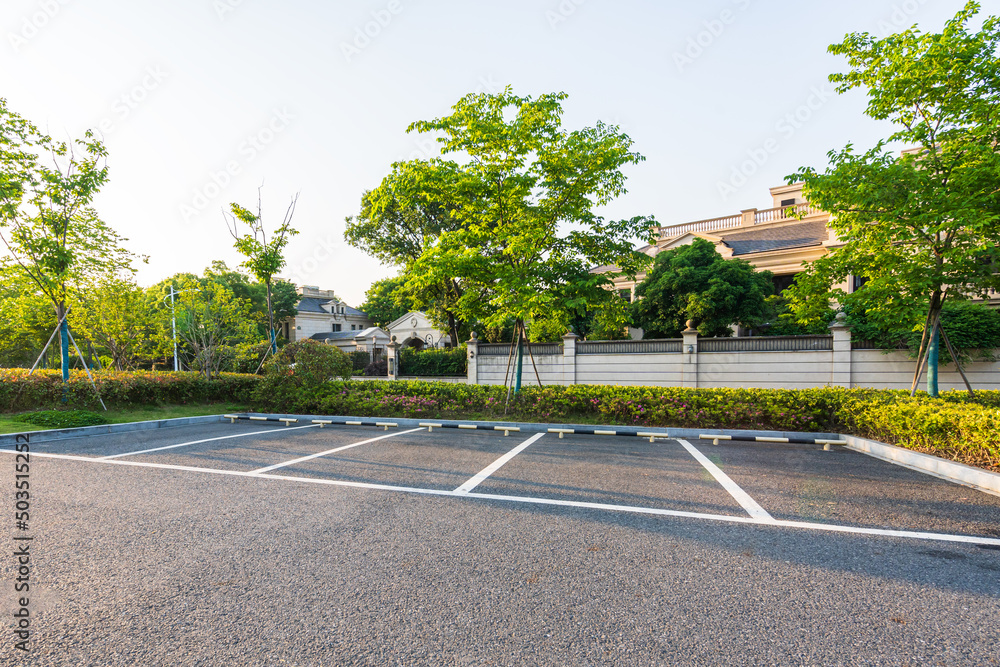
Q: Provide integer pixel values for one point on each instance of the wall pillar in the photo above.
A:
(748, 216)
(569, 357)
(472, 359)
(391, 357)
(840, 371)
(689, 352)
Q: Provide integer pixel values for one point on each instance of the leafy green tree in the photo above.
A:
(209, 319)
(25, 317)
(519, 193)
(47, 221)
(694, 282)
(114, 315)
(398, 220)
(264, 258)
(284, 297)
(386, 301)
(922, 226)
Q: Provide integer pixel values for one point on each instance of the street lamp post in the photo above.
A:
(173, 317)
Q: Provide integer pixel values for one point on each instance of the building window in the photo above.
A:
(858, 282)
(336, 327)
(781, 283)
(352, 327)
(625, 294)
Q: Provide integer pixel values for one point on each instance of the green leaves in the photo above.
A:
(47, 221)
(695, 282)
(509, 220)
(921, 227)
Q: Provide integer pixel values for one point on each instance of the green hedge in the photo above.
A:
(62, 418)
(433, 363)
(953, 426)
(45, 389)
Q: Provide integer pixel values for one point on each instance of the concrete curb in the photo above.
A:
(532, 427)
(83, 431)
(959, 473)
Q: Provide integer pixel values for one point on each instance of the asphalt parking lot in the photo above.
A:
(261, 544)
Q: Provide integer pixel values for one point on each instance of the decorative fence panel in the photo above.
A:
(629, 346)
(766, 344)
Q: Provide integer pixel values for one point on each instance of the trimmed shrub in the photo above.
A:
(62, 418)
(45, 389)
(433, 363)
(302, 366)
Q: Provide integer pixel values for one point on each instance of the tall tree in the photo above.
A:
(386, 301)
(398, 220)
(47, 221)
(922, 226)
(694, 282)
(114, 315)
(519, 193)
(264, 258)
(209, 318)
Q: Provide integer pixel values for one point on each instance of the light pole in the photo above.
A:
(173, 317)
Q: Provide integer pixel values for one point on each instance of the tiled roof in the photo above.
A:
(312, 304)
(797, 235)
(335, 335)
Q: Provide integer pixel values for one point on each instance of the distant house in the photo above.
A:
(320, 312)
(415, 330)
(372, 340)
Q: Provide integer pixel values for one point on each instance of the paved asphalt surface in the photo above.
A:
(140, 565)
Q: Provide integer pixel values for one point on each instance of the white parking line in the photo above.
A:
(741, 496)
(329, 451)
(496, 465)
(822, 527)
(198, 442)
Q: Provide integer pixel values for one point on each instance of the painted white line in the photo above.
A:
(741, 496)
(496, 465)
(198, 442)
(822, 527)
(329, 451)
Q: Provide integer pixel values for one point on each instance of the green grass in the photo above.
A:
(144, 413)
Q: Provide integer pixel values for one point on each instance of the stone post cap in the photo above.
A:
(690, 327)
(840, 321)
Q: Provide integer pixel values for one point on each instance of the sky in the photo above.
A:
(206, 102)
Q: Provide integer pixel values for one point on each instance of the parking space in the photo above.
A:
(734, 481)
(613, 470)
(840, 486)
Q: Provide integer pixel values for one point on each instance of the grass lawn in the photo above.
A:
(138, 414)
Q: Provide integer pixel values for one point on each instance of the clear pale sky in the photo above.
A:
(200, 101)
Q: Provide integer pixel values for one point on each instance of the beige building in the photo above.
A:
(775, 239)
(415, 330)
(320, 312)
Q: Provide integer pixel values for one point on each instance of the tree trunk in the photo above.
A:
(270, 320)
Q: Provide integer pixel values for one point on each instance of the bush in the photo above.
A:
(45, 389)
(360, 359)
(378, 368)
(448, 362)
(62, 418)
(302, 366)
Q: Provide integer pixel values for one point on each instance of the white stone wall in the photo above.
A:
(775, 370)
